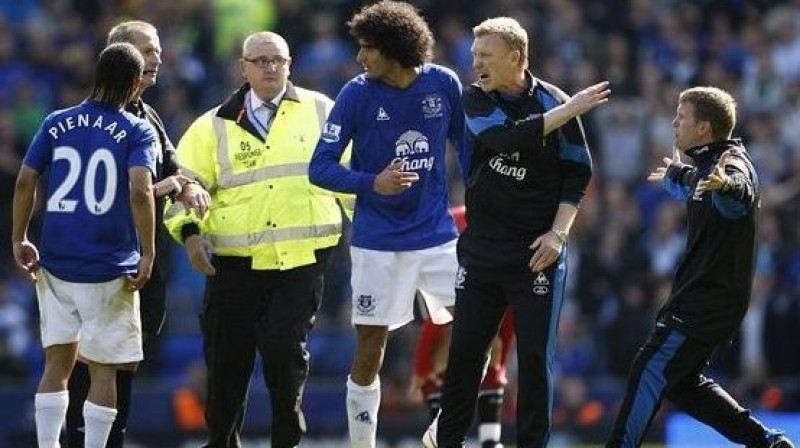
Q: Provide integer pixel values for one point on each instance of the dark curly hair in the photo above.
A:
(397, 30)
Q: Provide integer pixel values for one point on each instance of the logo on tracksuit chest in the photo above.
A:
(541, 285)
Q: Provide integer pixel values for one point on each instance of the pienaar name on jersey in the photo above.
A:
(498, 163)
(84, 121)
(331, 132)
(412, 149)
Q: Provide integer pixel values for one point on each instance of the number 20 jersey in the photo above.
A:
(88, 234)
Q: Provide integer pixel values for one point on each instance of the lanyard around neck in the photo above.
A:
(262, 128)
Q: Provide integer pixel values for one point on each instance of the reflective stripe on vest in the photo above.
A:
(229, 180)
(321, 115)
(274, 235)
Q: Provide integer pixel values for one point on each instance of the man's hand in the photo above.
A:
(195, 197)
(657, 176)
(166, 186)
(589, 98)
(418, 382)
(716, 180)
(547, 249)
(27, 258)
(197, 248)
(143, 272)
(393, 181)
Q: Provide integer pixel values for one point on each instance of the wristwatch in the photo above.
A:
(562, 235)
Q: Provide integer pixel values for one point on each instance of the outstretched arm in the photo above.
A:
(493, 128)
(732, 186)
(675, 176)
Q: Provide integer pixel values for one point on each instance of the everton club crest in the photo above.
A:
(432, 106)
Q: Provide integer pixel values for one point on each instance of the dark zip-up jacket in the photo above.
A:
(713, 282)
(166, 165)
(516, 176)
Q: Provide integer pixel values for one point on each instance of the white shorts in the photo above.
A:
(102, 317)
(384, 284)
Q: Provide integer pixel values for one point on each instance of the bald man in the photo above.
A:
(270, 232)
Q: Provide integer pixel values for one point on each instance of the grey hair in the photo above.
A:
(265, 37)
(124, 31)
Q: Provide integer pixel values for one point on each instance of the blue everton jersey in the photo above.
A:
(388, 124)
(88, 235)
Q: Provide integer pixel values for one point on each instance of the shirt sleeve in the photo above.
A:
(40, 151)
(196, 157)
(196, 151)
(574, 160)
(741, 195)
(456, 133)
(325, 169)
(494, 129)
(143, 149)
(677, 181)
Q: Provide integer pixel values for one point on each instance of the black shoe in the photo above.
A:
(782, 442)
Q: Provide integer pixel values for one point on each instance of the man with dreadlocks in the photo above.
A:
(99, 212)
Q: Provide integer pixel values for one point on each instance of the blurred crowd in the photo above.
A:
(628, 237)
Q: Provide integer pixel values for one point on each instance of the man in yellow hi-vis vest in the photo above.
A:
(270, 231)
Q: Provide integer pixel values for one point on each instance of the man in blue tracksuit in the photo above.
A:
(713, 282)
(529, 169)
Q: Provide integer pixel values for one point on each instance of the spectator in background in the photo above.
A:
(15, 336)
(623, 141)
(326, 60)
(189, 401)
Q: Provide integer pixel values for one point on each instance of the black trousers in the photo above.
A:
(670, 364)
(269, 311)
(153, 300)
(481, 301)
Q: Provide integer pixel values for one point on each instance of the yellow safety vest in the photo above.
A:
(263, 205)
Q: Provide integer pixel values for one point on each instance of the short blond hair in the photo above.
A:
(509, 30)
(713, 105)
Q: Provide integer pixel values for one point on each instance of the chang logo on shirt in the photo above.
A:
(330, 133)
(412, 148)
(500, 164)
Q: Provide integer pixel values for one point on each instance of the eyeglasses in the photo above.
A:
(265, 61)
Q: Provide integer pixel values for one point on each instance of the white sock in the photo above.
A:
(51, 408)
(489, 432)
(98, 420)
(362, 412)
